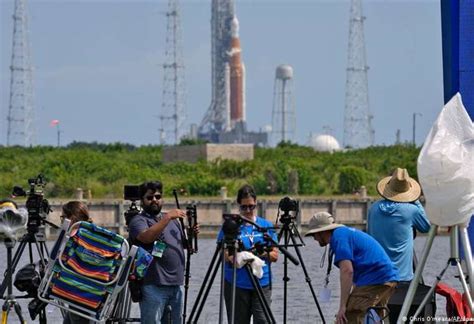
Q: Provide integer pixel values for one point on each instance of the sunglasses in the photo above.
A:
(247, 207)
(150, 198)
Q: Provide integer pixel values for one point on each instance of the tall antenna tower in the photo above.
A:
(20, 130)
(216, 119)
(173, 105)
(283, 113)
(358, 131)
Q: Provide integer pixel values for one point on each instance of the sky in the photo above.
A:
(98, 65)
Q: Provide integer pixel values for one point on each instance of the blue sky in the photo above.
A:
(98, 65)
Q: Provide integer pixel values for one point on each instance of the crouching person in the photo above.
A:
(367, 276)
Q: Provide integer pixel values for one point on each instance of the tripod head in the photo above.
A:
(232, 224)
(132, 193)
(231, 229)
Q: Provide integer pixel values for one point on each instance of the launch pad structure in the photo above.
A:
(225, 119)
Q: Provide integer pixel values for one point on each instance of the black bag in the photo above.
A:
(396, 301)
(135, 287)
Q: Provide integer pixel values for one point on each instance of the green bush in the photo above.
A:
(105, 168)
(351, 179)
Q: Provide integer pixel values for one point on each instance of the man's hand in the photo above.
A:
(341, 316)
(175, 213)
(196, 229)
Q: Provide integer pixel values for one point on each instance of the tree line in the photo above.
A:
(289, 168)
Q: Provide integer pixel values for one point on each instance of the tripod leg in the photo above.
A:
(12, 266)
(285, 276)
(261, 297)
(203, 286)
(307, 277)
(416, 279)
(467, 255)
(429, 293)
(18, 312)
(464, 284)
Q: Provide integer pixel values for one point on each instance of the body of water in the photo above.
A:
(301, 305)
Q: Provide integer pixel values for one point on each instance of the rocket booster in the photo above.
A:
(237, 76)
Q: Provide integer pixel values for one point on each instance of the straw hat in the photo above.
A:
(399, 187)
(320, 222)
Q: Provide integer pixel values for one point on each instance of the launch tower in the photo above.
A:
(358, 131)
(20, 128)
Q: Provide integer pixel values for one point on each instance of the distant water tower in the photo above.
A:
(283, 113)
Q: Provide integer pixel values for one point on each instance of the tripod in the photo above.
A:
(222, 246)
(122, 309)
(288, 232)
(10, 301)
(453, 260)
(33, 237)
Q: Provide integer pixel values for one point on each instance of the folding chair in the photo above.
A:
(87, 269)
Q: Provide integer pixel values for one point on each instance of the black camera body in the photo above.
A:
(231, 227)
(288, 204)
(37, 206)
(132, 193)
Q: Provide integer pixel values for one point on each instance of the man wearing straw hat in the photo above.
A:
(393, 219)
(367, 276)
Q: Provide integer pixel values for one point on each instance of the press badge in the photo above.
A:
(158, 249)
(325, 295)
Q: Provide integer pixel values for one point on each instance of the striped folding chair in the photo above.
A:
(88, 267)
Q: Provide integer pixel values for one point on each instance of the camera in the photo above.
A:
(287, 204)
(231, 227)
(36, 205)
(132, 193)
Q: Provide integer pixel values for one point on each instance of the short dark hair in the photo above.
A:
(246, 191)
(151, 185)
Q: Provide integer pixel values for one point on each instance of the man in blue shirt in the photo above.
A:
(247, 303)
(367, 276)
(391, 220)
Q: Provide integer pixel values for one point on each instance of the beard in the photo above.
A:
(152, 209)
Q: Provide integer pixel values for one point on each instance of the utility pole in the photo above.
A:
(414, 127)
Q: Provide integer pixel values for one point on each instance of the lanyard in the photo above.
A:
(328, 271)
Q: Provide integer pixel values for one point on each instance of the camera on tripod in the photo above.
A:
(287, 205)
(231, 227)
(37, 206)
(132, 193)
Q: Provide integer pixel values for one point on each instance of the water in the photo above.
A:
(301, 305)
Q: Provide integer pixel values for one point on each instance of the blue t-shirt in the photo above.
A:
(391, 223)
(249, 235)
(169, 269)
(370, 263)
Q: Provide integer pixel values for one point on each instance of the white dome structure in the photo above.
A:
(324, 143)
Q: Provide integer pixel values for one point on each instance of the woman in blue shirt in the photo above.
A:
(247, 303)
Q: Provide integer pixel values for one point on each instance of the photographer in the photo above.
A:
(75, 211)
(160, 234)
(247, 303)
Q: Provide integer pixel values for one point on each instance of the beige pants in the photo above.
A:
(364, 297)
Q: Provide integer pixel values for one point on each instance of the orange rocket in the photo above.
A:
(237, 77)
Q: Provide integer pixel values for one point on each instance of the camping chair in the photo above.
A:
(87, 269)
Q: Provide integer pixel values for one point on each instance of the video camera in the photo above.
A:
(231, 227)
(37, 206)
(132, 193)
(286, 205)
